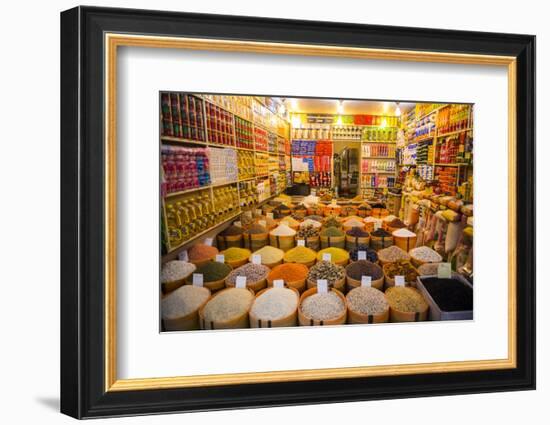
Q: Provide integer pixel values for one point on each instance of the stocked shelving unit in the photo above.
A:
(434, 137)
(231, 139)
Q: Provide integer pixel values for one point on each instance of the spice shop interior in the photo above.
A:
(286, 211)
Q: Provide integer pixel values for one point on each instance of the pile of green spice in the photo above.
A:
(232, 231)
(449, 294)
(211, 272)
(318, 218)
(357, 232)
(364, 268)
(332, 222)
(369, 253)
(331, 232)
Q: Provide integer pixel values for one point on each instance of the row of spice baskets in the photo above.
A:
(287, 271)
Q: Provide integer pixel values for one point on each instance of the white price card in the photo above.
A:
(444, 270)
(301, 242)
(182, 256)
(322, 286)
(278, 283)
(377, 224)
(220, 258)
(237, 223)
(240, 282)
(327, 256)
(362, 255)
(313, 192)
(198, 279)
(208, 241)
(256, 259)
(399, 280)
(262, 223)
(366, 281)
(269, 215)
(258, 212)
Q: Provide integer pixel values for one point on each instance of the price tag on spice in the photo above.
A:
(237, 223)
(366, 281)
(327, 256)
(220, 258)
(183, 256)
(444, 270)
(278, 283)
(301, 242)
(198, 279)
(399, 280)
(377, 224)
(240, 282)
(262, 223)
(208, 241)
(362, 255)
(322, 286)
(256, 259)
(258, 212)
(313, 192)
(269, 215)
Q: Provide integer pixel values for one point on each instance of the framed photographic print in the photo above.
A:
(261, 212)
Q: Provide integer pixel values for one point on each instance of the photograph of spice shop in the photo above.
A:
(284, 212)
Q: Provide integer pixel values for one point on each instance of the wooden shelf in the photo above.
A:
(195, 189)
(183, 141)
(379, 157)
(245, 149)
(454, 132)
(382, 142)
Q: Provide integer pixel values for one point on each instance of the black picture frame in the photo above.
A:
(82, 212)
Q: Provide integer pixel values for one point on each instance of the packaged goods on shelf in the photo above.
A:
(425, 128)
(422, 109)
(426, 172)
(376, 181)
(184, 168)
(446, 178)
(246, 164)
(378, 165)
(347, 132)
(248, 193)
(244, 134)
(424, 152)
(261, 163)
(310, 132)
(260, 139)
(378, 149)
(453, 117)
(182, 116)
(272, 142)
(226, 201)
(188, 215)
(380, 134)
(239, 105)
(219, 125)
(223, 165)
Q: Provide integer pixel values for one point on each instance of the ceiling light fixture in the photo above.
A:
(340, 107)
(397, 109)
